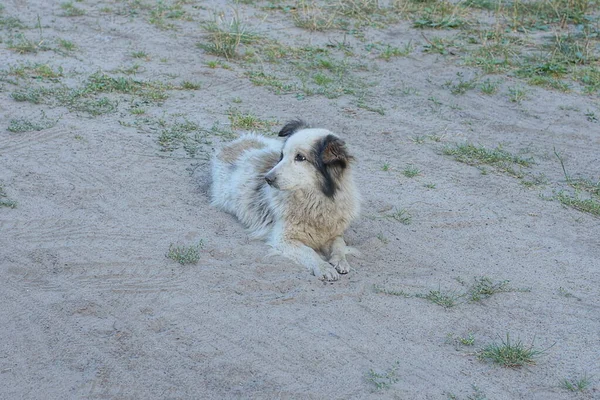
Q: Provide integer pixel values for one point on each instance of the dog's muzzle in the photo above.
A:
(270, 180)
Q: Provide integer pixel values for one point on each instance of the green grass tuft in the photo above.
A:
(510, 354)
(185, 254)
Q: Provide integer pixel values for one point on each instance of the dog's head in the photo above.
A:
(311, 159)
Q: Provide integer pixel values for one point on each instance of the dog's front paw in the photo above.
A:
(341, 266)
(326, 272)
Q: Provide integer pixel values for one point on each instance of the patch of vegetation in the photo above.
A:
(185, 254)
(385, 379)
(441, 298)
(249, 122)
(226, 36)
(69, 10)
(391, 292)
(28, 125)
(23, 45)
(4, 200)
(402, 215)
(468, 340)
(163, 14)
(66, 45)
(510, 354)
(441, 15)
(313, 17)
(478, 155)
(489, 87)
(477, 394)
(411, 171)
(577, 384)
(462, 86)
(182, 133)
(587, 205)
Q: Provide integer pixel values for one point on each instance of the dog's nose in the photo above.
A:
(269, 179)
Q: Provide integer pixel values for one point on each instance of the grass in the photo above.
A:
(577, 384)
(182, 134)
(510, 354)
(188, 85)
(462, 86)
(69, 10)
(67, 45)
(402, 215)
(499, 158)
(249, 122)
(441, 298)
(588, 205)
(385, 379)
(4, 200)
(185, 254)
(20, 125)
(411, 171)
(484, 287)
(86, 97)
(391, 292)
(489, 87)
(226, 36)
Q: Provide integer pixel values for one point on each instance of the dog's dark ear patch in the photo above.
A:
(292, 127)
(334, 151)
(331, 159)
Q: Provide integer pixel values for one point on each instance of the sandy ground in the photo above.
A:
(92, 308)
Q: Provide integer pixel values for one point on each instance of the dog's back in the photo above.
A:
(238, 185)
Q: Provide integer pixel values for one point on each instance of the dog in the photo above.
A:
(298, 195)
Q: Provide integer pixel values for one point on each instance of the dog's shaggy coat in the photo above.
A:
(298, 195)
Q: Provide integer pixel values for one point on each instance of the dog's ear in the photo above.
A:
(292, 127)
(335, 151)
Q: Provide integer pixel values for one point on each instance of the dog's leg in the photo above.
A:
(306, 256)
(338, 255)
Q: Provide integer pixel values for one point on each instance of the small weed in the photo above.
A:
(391, 292)
(185, 133)
(67, 44)
(444, 299)
(185, 254)
(24, 45)
(510, 354)
(314, 17)
(441, 15)
(69, 10)
(587, 205)
(402, 216)
(391, 51)
(4, 200)
(411, 171)
(162, 14)
(225, 37)
(576, 385)
(140, 54)
(384, 380)
(187, 85)
(468, 340)
(477, 394)
(430, 185)
(489, 87)
(418, 139)
(499, 158)
(248, 121)
(484, 287)
(27, 125)
(517, 94)
(462, 86)
(385, 167)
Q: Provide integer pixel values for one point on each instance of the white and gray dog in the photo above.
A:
(299, 194)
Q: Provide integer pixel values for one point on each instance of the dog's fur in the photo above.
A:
(299, 195)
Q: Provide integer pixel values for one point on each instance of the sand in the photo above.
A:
(92, 307)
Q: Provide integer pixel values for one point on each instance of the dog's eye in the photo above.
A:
(299, 157)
